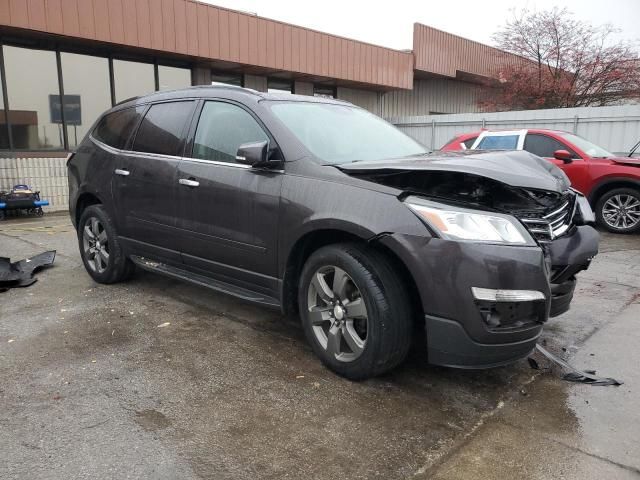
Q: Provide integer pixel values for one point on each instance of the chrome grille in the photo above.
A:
(553, 224)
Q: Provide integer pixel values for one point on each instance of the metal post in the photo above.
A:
(112, 82)
(156, 75)
(433, 134)
(575, 124)
(5, 98)
(65, 138)
(484, 123)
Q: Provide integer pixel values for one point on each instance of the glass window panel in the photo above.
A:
(226, 79)
(275, 85)
(32, 85)
(162, 128)
(542, 145)
(324, 92)
(116, 128)
(133, 79)
(222, 128)
(172, 77)
(86, 93)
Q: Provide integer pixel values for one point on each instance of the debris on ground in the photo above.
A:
(21, 274)
(165, 324)
(574, 375)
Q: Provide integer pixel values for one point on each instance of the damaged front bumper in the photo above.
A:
(470, 330)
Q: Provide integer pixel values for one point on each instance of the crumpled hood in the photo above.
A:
(515, 168)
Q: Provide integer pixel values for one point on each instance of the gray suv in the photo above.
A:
(324, 210)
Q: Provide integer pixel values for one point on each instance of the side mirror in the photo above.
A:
(563, 155)
(255, 154)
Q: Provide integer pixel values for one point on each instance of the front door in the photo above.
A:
(147, 188)
(544, 146)
(228, 212)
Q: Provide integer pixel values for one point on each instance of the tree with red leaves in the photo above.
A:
(564, 63)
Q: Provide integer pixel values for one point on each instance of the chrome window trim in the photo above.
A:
(159, 156)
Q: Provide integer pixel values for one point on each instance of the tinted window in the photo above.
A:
(499, 142)
(468, 143)
(222, 128)
(115, 128)
(542, 145)
(162, 128)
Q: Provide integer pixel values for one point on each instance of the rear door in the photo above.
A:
(544, 146)
(228, 212)
(148, 170)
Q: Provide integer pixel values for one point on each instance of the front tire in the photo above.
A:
(355, 310)
(618, 210)
(100, 250)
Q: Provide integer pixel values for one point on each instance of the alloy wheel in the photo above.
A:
(621, 211)
(338, 314)
(95, 245)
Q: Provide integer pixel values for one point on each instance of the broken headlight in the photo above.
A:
(456, 223)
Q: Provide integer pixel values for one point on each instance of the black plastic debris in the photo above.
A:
(574, 375)
(21, 274)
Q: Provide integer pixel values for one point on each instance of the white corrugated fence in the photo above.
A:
(616, 129)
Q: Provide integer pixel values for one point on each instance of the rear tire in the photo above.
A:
(100, 250)
(618, 210)
(355, 310)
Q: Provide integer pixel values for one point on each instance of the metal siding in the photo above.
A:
(214, 36)
(303, 88)
(131, 28)
(243, 39)
(180, 22)
(203, 30)
(432, 95)
(116, 21)
(37, 17)
(223, 34)
(88, 24)
(207, 31)
(168, 26)
(234, 42)
(54, 16)
(615, 128)
(443, 53)
(193, 38)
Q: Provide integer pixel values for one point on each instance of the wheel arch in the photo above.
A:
(85, 200)
(609, 184)
(312, 241)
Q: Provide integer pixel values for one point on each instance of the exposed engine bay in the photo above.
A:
(466, 190)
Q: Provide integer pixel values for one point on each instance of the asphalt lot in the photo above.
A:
(95, 384)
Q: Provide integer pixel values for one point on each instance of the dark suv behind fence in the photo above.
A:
(326, 211)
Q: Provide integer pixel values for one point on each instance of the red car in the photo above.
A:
(611, 183)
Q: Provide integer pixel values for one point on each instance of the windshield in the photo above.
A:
(339, 134)
(586, 146)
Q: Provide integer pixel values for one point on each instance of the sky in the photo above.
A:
(390, 23)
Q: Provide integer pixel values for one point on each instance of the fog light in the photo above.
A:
(491, 295)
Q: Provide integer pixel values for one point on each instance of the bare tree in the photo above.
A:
(564, 63)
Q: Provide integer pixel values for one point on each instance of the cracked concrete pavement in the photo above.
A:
(158, 379)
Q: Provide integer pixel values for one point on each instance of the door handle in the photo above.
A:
(188, 182)
(120, 171)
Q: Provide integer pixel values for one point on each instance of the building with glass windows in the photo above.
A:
(62, 63)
